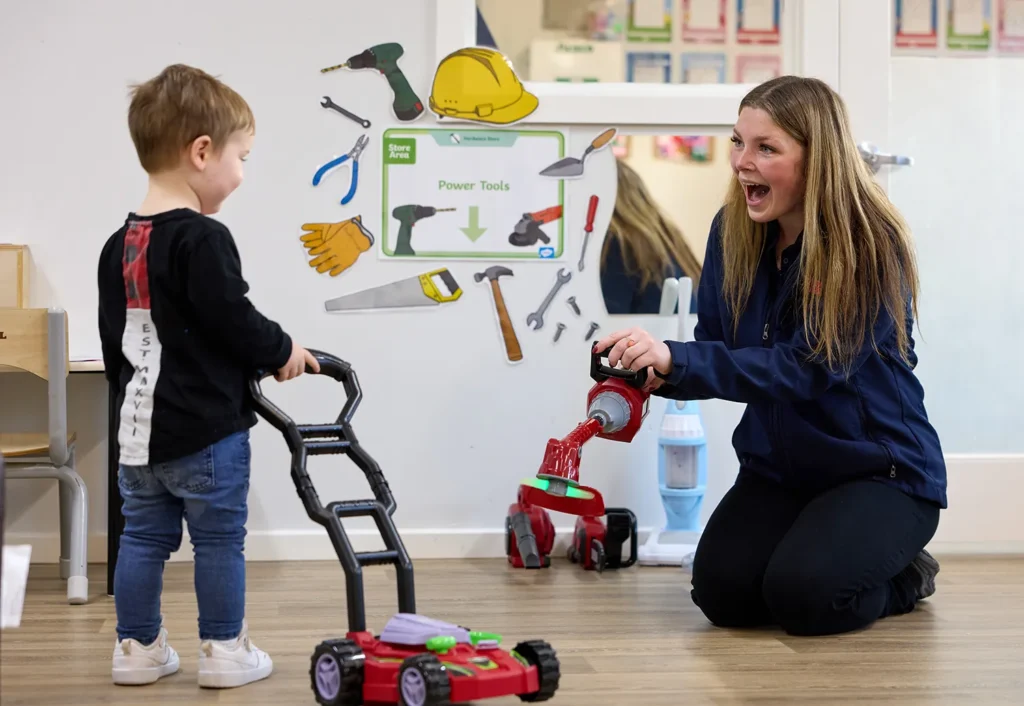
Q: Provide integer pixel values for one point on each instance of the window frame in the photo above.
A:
(810, 44)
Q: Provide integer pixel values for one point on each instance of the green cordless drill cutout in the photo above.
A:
(384, 58)
(408, 216)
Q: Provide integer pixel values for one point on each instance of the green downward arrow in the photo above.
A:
(474, 231)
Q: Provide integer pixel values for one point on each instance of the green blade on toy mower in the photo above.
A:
(441, 643)
(571, 491)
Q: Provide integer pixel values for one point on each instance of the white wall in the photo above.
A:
(455, 433)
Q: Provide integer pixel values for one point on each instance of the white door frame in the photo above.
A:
(864, 83)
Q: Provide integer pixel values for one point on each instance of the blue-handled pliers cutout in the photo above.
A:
(353, 154)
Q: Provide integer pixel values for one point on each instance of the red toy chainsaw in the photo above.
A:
(616, 408)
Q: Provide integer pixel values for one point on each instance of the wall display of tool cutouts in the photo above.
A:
(479, 85)
(471, 194)
(335, 247)
(383, 58)
(535, 320)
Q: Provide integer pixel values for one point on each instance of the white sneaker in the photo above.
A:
(224, 664)
(135, 663)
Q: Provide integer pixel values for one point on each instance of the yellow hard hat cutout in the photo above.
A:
(478, 84)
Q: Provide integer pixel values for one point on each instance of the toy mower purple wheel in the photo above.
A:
(336, 673)
(423, 681)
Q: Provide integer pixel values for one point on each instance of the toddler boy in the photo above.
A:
(180, 341)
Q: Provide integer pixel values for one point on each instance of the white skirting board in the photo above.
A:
(983, 518)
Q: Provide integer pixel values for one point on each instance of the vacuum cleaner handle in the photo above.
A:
(599, 372)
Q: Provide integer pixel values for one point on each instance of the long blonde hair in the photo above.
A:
(857, 254)
(649, 241)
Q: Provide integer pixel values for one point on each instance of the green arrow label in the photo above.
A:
(474, 231)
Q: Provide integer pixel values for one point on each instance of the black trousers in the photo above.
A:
(816, 565)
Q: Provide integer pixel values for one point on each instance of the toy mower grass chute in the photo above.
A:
(616, 407)
(415, 660)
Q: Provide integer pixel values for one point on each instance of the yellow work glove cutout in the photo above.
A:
(335, 247)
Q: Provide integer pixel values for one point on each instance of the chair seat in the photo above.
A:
(28, 444)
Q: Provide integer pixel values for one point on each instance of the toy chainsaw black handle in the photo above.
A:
(633, 378)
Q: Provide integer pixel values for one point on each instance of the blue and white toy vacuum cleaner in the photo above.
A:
(682, 460)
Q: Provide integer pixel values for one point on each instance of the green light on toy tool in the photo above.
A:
(569, 490)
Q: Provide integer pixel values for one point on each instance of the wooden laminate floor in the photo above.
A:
(623, 638)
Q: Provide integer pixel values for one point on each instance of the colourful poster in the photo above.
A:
(703, 68)
(757, 69)
(757, 21)
(648, 67)
(1010, 30)
(649, 21)
(969, 26)
(684, 148)
(704, 21)
(916, 24)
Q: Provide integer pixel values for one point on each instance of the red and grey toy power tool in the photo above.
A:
(597, 542)
(616, 408)
(527, 232)
(529, 535)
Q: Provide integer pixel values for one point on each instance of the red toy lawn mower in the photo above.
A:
(616, 408)
(415, 660)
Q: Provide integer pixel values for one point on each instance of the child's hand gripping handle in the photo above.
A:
(331, 367)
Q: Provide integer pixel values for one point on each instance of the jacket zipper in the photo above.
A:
(772, 313)
(892, 461)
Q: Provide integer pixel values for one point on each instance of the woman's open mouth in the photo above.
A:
(756, 193)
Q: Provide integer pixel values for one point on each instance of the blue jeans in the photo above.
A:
(209, 490)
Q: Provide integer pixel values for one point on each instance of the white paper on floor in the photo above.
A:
(12, 588)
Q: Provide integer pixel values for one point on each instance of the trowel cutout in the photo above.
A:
(572, 168)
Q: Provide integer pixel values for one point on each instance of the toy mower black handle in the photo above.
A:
(307, 438)
(599, 372)
(332, 367)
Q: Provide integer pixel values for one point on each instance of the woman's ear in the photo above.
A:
(200, 151)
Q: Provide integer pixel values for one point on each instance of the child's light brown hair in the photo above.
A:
(169, 111)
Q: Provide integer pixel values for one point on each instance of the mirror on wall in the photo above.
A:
(669, 189)
(636, 41)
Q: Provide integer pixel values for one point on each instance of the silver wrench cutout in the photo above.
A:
(328, 103)
(537, 317)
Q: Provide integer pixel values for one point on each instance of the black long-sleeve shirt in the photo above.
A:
(180, 338)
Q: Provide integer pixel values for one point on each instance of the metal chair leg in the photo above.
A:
(77, 510)
(66, 500)
(78, 580)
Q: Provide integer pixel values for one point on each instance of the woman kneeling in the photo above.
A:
(805, 307)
